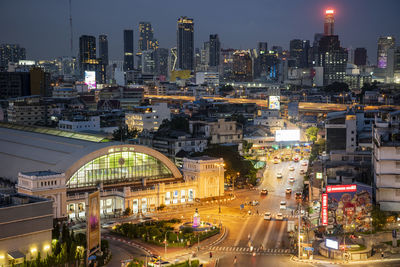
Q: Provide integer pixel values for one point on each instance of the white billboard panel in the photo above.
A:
(90, 79)
(274, 102)
(287, 135)
(329, 243)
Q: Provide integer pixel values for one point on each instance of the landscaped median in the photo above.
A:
(157, 232)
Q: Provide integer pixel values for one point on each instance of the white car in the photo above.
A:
(267, 216)
(291, 179)
(304, 163)
(282, 206)
(279, 216)
(288, 191)
(279, 175)
(109, 225)
(291, 168)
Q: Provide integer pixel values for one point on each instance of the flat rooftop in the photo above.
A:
(16, 199)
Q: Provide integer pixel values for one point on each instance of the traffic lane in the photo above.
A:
(258, 261)
(121, 251)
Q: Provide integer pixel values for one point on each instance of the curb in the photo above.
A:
(220, 239)
(133, 244)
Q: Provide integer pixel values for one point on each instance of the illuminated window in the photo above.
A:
(125, 166)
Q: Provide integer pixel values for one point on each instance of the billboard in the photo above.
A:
(274, 102)
(93, 223)
(325, 209)
(90, 79)
(287, 135)
(350, 206)
(329, 243)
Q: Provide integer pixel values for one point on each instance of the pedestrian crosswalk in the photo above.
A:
(273, 216)
(257, 251)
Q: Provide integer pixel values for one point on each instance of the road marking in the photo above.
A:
(280, 235)
(239, 237)
(265, 240)
(260, 221)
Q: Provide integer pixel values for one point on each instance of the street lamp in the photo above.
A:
(165, 243)
(219, 165)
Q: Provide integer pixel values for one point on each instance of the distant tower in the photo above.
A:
(215, 49)
(384, 43)
(128, 50)
(87, 54)
(146, 37)
(185, 43)
(360, 56)
(70, 28)
(329, 22)
(103, 57)
(262, 47)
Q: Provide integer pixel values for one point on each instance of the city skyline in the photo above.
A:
(302, 22)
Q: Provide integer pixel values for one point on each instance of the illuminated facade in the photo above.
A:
(242, 66)
(131, 176)
(87, 54)
(128, 50)
(146, 38)
(185, 43)
(148, 117)
(329, 22)
(384, 44)
(11, 53)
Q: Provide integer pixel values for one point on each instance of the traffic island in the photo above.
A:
(352, 252)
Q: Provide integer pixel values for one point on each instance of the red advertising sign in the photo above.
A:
(325, 209)
(341, 188)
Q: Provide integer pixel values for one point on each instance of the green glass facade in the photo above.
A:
(118, 167)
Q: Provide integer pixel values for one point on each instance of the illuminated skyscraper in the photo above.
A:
(242, 66)
(128, 50)
(11, 53)
(103, 57)
(329, 22)
(215, 49)
(146, 37)
(87, 54)
(262, 48)
(384, 43)
(185, 43)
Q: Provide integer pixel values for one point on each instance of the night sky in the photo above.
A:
(42, 26)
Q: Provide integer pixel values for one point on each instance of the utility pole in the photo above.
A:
(299, 247)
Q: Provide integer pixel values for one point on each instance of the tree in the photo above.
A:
(379, 219)
(247, 146)
(239, 118)
(226, 88)
(312, 133)
(123, 133)
(179, 123)
(337, 87)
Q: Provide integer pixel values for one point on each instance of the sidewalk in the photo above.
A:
(374, 259)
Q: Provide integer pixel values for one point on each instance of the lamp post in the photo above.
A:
(165, 243)
(219, 185)
(299, 237)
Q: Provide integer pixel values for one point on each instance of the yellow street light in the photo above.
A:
(33, 250)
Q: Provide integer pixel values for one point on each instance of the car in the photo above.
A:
(304, 163)
(279, 216)
(276, 161)
(282, 205)
(157, 263)
(296, 158)
(291, 168)
(109, 225)
(302, 172)
(298, 196)
(264, 191)
(267, 216)
(288, 191)
(278, 175)
(291, 179)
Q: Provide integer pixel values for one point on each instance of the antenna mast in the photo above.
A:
(70, 28)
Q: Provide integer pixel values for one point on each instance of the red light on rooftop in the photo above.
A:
(329, 11)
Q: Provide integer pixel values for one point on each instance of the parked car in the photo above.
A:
(282, 205)
(278, 175)
(267, 216)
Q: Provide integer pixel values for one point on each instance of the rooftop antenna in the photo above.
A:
(70, 28)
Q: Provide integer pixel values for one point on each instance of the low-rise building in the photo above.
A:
(80, 124)
(219, 131)
(26, 223)
(147, 117)
(29, 111)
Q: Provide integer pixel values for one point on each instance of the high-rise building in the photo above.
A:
(384, 43)
(146, 37)
(185, 43)
(296, 51)
(128, 50)
(329, 23)
(87, 54)
(14, 84)
(161, 62)
(215, 50)
(103, 57)
(148, 63)
(393, 65)
(103, 49)
(262, 48)
(333, 59)
(227, 64)
(40, 82)
(11, 53)
(360, 56)
(242, 66)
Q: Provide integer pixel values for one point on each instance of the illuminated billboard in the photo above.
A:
(324, 213)
(287, 135)
(329, 243)
(274, 102)
(90, 79)
(341, 188)
(93, 224)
